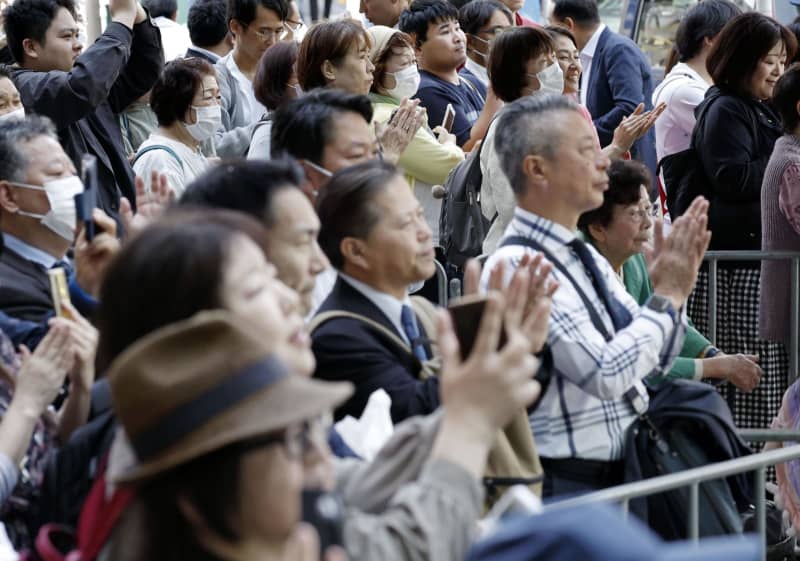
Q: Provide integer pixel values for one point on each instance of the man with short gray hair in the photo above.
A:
(601, 343)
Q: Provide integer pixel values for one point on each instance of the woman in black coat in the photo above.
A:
(734, 136)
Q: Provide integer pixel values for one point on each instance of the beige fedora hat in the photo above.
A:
(196, 386)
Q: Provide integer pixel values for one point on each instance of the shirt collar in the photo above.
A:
(386, 303)
(213, 56)
(540, 229)
(29, 252)
(478, 71)
(590, 47)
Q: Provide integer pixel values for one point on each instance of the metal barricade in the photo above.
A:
(691, 478)
(714, 257)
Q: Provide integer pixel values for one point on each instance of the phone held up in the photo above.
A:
(86, 201)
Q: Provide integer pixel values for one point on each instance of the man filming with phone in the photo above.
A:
(602, 344)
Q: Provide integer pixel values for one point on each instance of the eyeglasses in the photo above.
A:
(637, 216)
(266, 34)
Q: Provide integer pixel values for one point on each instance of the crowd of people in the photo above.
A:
(266, 241)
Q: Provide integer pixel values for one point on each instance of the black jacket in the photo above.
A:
(24, 288)
(349, 349)
(115, 71)
(734, 143)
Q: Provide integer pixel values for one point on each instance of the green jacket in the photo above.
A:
(637, 283)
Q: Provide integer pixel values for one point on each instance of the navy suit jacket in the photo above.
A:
(620, 80)
(349, 349)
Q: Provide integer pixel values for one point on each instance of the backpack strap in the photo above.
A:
(473, 88)
(325, 317)
(153, 147)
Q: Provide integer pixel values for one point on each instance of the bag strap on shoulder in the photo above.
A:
(154, 147)
(325, 317)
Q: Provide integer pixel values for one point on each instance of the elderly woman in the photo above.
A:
(10, 103)
(734, 137)
(185, 99)
(430, 155)
(620, 230)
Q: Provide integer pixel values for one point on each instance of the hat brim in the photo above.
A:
(292, 400)
(729, 548)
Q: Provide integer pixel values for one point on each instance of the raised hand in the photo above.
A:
(395, 136)
(150, 205)
(84, 339)
(43, 372)
(92, 258)
(675, 260)
(635, 126)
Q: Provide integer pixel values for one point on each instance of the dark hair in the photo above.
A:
(786, 96)
(5, 71)
(741, 44)
(30, 19)
(161, 8)
(303, 127)
(509, 58)
(556, 30)
(244, 11)
(207, 23)
(168, 273)
(421, 13)
(703, 20)
(13, 134)
(625, 178)
(475, 14)
(328, 40)
(247, 186)
(529, 125)
(583, 12)
(273, 74)
(174, 90)
(345, 206)
(794, 27)
(398, 40)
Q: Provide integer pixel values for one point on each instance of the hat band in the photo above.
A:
(189, 416)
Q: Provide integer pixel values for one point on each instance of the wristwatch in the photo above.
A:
(662, 305)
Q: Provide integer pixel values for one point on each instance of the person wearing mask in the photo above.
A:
(440, 49)
(522, 63)
(186, 101)
(481, 21)
(414, 501)
(208, 30)
(256, 25)
(558, 172)
(430, 155)
(780, 213)
(616, 75)
(734, 137)
(295, 27)
(174, 36)
(336, 55)
(275, 83)
(685, 85)
(270, 192)
(620, 230)
(10, 102)
(83, 92)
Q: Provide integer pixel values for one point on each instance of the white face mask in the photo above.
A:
(15, 114)
(209, 121)
(62, 217)
(551, 80)
(406, 82)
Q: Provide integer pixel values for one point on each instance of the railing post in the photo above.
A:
(694, 509)
(794, 326)
(712, 300)
(761, 507)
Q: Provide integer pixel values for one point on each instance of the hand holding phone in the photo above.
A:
(467, 314)
(449, 117)
(59, 291)
(86, 202)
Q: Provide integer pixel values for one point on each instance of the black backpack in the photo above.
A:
(462, 226)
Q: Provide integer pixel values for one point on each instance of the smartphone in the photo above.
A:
(324, 511)
(59, 291)
(449, 117)
(86, 201)
(467, 313)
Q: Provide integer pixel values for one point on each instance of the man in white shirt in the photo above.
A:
(256, 25)
(601, 343)
(174, 36)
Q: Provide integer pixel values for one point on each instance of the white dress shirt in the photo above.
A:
(253, 109)
(478, 70)
(391, 307)
(587, 54)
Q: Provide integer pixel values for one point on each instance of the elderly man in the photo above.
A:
(602, 344)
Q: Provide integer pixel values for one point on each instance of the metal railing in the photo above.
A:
(714, 257)
(692, 478)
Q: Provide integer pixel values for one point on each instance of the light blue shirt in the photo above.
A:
(29, 252)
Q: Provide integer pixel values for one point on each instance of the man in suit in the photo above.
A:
(208, 30)
(374, 233)
(616, 75)
(37, 185)
(83, 92)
